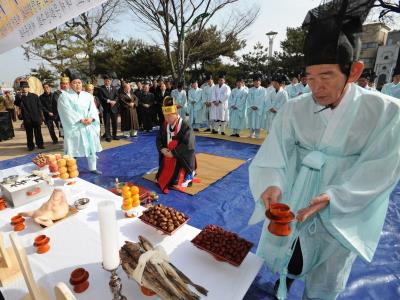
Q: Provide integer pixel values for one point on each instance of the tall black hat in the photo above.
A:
(193, 80)
(208, 77)
(280, 78)
(333, 31)
(222, 75)
(257, 77)
(73, 74)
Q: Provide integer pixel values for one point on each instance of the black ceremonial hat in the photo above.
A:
(333, 31)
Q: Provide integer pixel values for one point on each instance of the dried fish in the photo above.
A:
(162, 277)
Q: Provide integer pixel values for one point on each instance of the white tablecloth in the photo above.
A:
(75, 242)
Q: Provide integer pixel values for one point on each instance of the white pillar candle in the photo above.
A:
(109, 235)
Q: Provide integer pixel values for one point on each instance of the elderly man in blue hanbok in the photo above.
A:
(208, 90)
(80, 119)
(334, 169)
(255, 102)
(237, 108)
(393, 88)
(276, 99)
(179, 94)
(196, 107)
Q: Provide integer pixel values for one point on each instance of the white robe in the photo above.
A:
(350, 153)
(237, 116)
(292, 90)
(206, 97)
(274, 100)
(196, 110)
(79, 140)
(180, 99)
(256, 97)
(220, 111)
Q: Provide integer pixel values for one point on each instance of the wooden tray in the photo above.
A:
(164, 231)
(222, 258)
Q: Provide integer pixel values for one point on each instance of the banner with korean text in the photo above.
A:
(24, 20)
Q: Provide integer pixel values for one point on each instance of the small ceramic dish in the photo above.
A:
(81, 203)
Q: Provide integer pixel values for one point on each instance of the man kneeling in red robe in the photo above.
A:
(176, 148)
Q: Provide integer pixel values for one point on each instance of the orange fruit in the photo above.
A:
(126, 207)
(134, 190)
(126, 194)
(62, 170)
(73, 174)
(136, 203)
(72, 168)
(125, 188)
(135, 197)
(62, 163)
(64, 176)
(71, 162)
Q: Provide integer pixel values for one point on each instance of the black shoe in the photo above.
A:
(55, 142)
(115, 138)
(237, 135)
(233, 135)
(214, 131)
(222, 133)
(41, 147)
(108, 139)
(97, 172)
(196, 129)
(207, 130)
(31, 148)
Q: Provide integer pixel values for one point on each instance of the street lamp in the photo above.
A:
(271, 35)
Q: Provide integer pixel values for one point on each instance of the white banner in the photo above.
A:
(24, 20)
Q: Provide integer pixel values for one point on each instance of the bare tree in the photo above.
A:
(388, 7)
(74, 43)
(174, 18)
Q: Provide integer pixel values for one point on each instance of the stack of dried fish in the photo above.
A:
(163, 278)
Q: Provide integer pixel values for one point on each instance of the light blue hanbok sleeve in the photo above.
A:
(359, 202)
(271, 166)
(69, 116)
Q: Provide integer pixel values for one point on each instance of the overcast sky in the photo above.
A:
(274, 15)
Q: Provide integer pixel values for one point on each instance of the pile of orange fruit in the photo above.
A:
(67, 167)
(130, 196)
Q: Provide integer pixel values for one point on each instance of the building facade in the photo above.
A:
(387, 57)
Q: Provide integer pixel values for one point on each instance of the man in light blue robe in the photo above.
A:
(255, 103)
(276, 99)
(303, 87)
(237, 108)
(393, 88)
(208, 91)
(292, 89)
(196, 107)
(179, 94)
(332, 168)
(80, 119)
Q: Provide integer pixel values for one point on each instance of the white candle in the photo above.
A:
(109, 235)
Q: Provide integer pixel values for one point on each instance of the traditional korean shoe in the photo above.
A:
(108, 139)
(41, 147)
(237, 135)
(233, 135)
(97, 172)
(214, 131)
(196, 129)
(222, 133)
(207, 130)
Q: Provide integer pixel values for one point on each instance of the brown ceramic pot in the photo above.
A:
(42, 244)
(280, 217)
(18, 222)
(79, 279)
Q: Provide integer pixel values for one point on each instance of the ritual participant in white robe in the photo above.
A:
(80, 119)
(196, 107)
(237, 108)
(303, 86)
(208, 89)
(332, 168)
(393, 88)
(219, 108)
(292, 89)
(255, 102)
(276, 99)
(365, 80)
(179, 94)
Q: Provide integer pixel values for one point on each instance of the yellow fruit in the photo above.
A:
(71, 162)
(66, 157)
(134, 190)
(136, 197)
(126, 207)
(126, 194)
(73, 174)
(72, 168)
(136, 203)
(125, 188)
(62, 170)
(61, 163)
(64, 176)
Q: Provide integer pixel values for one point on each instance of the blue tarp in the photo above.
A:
(228, 203)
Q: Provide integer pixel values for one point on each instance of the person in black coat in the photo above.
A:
(128, 104)
(49, 108)
(30, 111)
(159, 97)
(176, 147)
(108, 97)
(146, 104)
